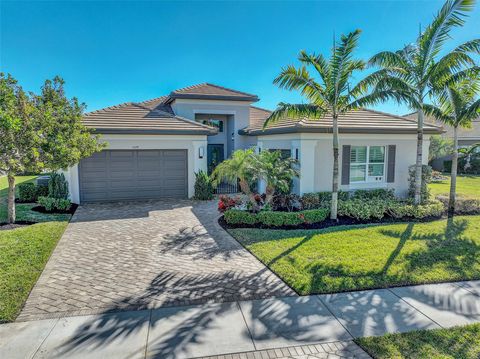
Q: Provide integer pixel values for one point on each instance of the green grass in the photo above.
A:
(467, 186)
(23, 254)
(369, 256)
(455, 343)
(24, 251)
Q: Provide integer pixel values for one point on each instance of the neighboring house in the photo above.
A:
(466, 136)
(155, 147)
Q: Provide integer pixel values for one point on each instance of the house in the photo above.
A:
(155, 147)
(466, 136)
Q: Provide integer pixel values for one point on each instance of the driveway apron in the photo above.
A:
(139, 255)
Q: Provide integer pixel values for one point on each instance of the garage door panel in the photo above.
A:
(133, 174)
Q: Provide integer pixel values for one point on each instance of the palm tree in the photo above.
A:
(458, 106)
(238, 167)
(329, 93)
(277, 172)
(414, 71)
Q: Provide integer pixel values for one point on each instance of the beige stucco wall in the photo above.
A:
(191, 143)
(316, 158)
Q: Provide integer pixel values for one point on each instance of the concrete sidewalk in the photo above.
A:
(293, 327)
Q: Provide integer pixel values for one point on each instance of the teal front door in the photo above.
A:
(214, 156)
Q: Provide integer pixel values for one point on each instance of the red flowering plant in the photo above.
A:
(226, 202)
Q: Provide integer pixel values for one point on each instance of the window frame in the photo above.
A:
(367, 163)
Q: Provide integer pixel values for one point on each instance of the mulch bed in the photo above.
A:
(42, 209)
(19, 224)
(342, 221)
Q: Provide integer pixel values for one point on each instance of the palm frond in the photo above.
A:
(437, 113)
(295, 111)
(292, 78)
(378, 97)
(451, 14)
(319, 63)
(473, 111)
(389, 59)
(472, 46)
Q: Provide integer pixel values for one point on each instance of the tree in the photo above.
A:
(19, 134)
(330, 93)
(40, 131)
(458, 106)
(277, 172)
(413, 72)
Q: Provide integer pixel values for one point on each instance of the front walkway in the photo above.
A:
(141, 255)
(288, 327)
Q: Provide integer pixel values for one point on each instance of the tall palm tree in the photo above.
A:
(414, 71)
(328, 93)
(458, 106)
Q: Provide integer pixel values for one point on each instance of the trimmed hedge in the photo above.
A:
(52, 204)
(322, 199)
(275, 219)
(29, 192)
(430, 209)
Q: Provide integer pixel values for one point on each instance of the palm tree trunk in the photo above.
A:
(334, 204)
(418, 164)
(11, 198)
(453, 180)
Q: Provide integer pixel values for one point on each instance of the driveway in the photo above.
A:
(139, 255)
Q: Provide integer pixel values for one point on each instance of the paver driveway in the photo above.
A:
(138, 255)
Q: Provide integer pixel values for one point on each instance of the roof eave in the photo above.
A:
(304, 129)
(137, 131)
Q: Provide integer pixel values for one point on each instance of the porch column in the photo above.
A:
(307, 166)
(261, 185)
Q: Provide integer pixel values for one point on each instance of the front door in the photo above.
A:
(214, 156)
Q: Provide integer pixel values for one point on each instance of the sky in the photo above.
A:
(110, 52)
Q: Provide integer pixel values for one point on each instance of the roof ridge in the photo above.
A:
(190, 87)
(154, 99)
(229, 89)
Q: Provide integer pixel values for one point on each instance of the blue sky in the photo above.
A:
(113, 52)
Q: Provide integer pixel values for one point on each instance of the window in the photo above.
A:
(214, 123)
(367, 164)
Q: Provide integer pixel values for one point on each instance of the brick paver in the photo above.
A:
(140, 255)
(344, 349)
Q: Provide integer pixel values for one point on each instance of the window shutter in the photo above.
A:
(391, 163)
(346, 164)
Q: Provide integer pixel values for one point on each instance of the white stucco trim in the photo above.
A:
(191, 143)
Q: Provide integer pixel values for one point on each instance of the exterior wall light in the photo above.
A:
(201, 152)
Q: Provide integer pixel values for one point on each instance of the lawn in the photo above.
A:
(369, 256)
(24, 251)
(458, 342)
(467, 186)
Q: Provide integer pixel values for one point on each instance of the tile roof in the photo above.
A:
(209, 91)
(149, 117)
(360, 121)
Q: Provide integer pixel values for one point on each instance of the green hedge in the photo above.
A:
(375, 209)
(276, 219)
(322, 199)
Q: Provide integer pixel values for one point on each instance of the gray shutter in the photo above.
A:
(391, 163)
(346, 164)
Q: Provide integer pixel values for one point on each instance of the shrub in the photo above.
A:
(321, 199)
(226, 202)
(310, 201)
(402, 210)
(57, 186)
(426, 179)
(276, 219)
(373, 194)
(42, 191)
(363, 210)
(315, 215)
(52, 204)
(27, 192)
(286, 202)
(462, 205)
(237, 216)
(203, 186)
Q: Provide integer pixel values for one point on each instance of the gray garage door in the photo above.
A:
(133, 174)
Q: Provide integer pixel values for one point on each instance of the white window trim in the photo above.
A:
(366, 164)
